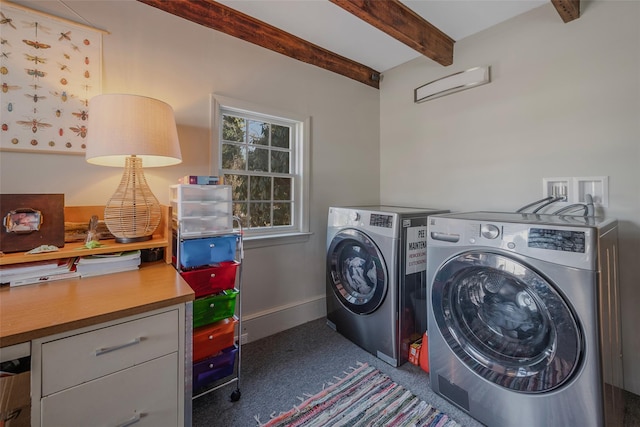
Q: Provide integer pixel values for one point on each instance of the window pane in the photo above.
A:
(240, 210)
(239, 185)
(281, 214)
(234, 157)
(260, 214)
(280, 161)
(280, 136)
(282, 188)
(260, 188)
(258, 133)
(258, 159)
(233, 128)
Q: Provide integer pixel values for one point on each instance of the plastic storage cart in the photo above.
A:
(208, 254)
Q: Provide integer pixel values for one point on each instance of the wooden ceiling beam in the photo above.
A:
(568, 9)
(403, 24)
(219, 17)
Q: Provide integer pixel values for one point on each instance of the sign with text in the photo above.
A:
(416, 249)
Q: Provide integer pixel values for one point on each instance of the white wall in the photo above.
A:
(152, 53)
(564, 101)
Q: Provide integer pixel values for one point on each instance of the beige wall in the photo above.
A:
(564, 101)
(156, 54)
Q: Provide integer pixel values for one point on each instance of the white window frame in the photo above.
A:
(300, 165)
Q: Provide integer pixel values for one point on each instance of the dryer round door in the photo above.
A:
(506, 322)
(357, 271)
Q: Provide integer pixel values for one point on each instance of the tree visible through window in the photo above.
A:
(258, 159)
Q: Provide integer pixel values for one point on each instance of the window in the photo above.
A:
(263, 155)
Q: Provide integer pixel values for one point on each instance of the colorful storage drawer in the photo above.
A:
(209, 340)
(212, 280)
(214, 368)
(215, 307)
(207, 251)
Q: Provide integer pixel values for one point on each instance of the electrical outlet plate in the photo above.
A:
(575, 189)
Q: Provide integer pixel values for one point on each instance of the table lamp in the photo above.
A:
(131, 130)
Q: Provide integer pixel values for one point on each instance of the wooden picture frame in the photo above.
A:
(31, 220)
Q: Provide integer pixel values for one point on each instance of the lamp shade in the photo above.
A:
(133, 132)
(122, 125)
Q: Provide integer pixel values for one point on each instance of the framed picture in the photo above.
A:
(50, 68)
(31, 220)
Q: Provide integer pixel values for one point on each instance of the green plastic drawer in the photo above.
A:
(214, 307)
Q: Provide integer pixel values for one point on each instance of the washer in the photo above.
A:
(376, 279)
(524, 325)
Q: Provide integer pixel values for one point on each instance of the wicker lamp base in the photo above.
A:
(133, 212)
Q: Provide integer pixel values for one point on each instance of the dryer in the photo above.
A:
(376, 279)
(524, 325)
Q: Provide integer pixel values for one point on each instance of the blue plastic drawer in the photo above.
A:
(207, 251)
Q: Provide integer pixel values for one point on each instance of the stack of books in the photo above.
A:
(38, 272)
(96, 265)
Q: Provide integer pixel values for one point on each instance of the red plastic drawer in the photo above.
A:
(207, 281)
(211, 339)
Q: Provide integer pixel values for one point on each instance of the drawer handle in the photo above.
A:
(212, 245)
(131, 421)
(105, 350)
(212, 305)
(213, 275)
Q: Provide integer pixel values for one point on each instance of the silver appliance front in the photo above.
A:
(513, 329)
(506, 322)
(360, 304)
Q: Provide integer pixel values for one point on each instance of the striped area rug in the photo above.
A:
(365, 397)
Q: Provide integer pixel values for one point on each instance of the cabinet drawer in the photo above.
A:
(206, 251)
(207, 281)
(211, 339)
(148, 391)
(80, 358)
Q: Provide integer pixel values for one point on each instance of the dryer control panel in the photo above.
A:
(567, 245)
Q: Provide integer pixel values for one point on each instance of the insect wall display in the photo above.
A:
(50, 68)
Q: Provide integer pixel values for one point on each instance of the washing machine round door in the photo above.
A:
(357, 271)
(506, 322)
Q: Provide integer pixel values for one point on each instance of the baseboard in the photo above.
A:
(278, 319)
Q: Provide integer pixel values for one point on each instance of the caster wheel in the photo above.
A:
(235, 396)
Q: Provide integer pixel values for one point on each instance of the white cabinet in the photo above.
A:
(126, 372)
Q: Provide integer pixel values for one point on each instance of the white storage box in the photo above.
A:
(200, 193)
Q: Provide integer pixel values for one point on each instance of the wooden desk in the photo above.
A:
(34, 311)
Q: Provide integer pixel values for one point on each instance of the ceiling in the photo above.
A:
(359, 39)
(331, 27)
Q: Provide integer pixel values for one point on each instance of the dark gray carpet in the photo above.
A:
(278, 369)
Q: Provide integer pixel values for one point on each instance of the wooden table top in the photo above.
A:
(34, 311)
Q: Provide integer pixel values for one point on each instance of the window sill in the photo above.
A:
(257, 241)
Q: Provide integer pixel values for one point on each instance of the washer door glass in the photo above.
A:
(357, 271)
(506, 322)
